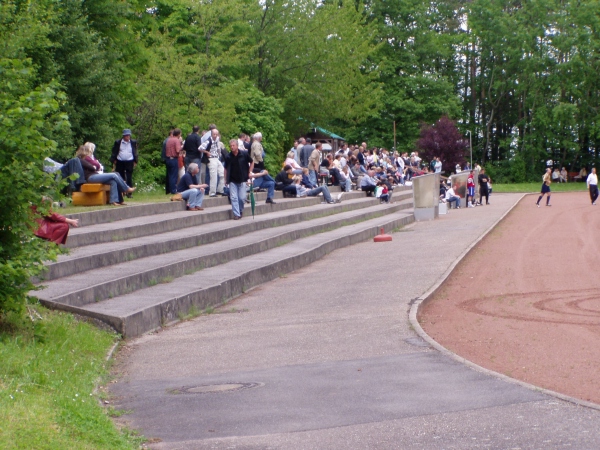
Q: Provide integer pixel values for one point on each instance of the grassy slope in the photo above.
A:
(46, 388)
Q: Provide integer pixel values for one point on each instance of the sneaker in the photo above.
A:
(339, 197)
(470, 205)
(270, 200)
(331, 202)
(537, 204)
(548, 205)
(212, 195)
(594, 203)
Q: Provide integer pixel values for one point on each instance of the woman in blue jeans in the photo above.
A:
(92, 169)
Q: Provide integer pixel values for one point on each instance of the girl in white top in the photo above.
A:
(592, 184)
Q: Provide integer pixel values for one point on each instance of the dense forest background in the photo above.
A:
(522, 77)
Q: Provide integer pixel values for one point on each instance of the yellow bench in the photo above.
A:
(91, 194)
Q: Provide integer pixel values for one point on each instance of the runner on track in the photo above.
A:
(547, 179)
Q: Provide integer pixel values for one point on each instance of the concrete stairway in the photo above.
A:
(138, 268)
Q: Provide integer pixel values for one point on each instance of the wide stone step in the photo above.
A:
(149, 308)
(162, 223)
(132, 211)
(100, 255)
(115, 280)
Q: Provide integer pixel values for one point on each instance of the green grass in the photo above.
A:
(47, 383)
(536, 187)
(138, 198)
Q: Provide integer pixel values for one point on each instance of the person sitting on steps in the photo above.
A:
(190, 188)
(92, 168)
(302, 191)
(284, 183)
(368, 183)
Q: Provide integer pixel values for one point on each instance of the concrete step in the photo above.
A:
(119, 279)
(149, 209)
(161, 223)
(132, 211)
(99, 255)
(149, 308)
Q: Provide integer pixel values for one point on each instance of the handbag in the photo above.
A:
(177, 198)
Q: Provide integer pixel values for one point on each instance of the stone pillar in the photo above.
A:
(426, 196)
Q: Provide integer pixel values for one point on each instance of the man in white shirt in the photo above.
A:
(452, 197)
(592, 183)
(210, 147)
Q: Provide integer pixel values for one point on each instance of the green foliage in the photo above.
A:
(47, 382)
(26, 116)
(258, 112)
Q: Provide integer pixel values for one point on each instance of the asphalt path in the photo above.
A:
(325, 358)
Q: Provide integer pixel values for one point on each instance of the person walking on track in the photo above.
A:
(547, 179)
(592, 183)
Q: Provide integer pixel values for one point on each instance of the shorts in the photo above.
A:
(471, 192)
(545, 188)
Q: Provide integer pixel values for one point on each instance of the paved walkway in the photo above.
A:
(326, 358)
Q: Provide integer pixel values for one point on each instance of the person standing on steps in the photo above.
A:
(546, 180)
(484, 179)
(262, 179)
(305, 151)
(172, 151)
(124, 157)
(192, 143)
(210, 148)
(238, 169)
(592, 183)
(313, 163)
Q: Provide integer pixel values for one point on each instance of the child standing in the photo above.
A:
(471, 190)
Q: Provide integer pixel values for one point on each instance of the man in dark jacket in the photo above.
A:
(191, 145)
(284, 181)
(238, 169)
(124, 157)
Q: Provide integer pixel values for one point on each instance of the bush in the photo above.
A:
(508, 171)
(26, 115)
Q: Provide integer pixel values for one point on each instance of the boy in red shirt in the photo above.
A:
(471, 190)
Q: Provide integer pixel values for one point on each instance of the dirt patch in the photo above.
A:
(526, 301)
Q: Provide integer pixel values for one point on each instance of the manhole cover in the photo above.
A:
(417, 342)
(214, 388)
